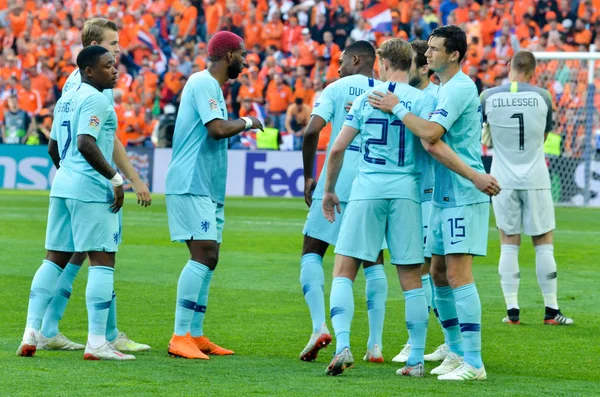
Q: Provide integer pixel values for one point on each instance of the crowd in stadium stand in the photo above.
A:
(293, 51)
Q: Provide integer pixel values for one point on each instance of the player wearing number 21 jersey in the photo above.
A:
(384, 201)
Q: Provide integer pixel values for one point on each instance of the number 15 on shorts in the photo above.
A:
(457, 230)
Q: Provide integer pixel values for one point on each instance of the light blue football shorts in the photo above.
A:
(194, 217)
(318, 227)
(459, 230)
(425, 211)
(367, 222)
(79, 226)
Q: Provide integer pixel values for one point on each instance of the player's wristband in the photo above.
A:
(248, 121)
(400, 111)
(117, 180)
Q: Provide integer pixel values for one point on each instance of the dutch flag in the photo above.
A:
(150, 42)
(379, 17)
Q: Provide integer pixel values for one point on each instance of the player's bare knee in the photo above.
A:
(410, 276)
(313, 246)
(99, 258)
(546, 238)
(78, 258)
(509, 239)
(59, 258)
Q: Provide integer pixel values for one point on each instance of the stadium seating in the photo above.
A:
(164, 41)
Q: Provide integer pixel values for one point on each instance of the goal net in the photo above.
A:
(573, 148)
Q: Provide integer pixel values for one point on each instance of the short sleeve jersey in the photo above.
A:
(389, 165)
(458, 110)
(199, 162)
(331, 107)
(83, 111)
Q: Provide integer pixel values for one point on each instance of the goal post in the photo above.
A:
(573, 153)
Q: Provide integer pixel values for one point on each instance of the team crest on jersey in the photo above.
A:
(94, 121)
(213, 104)
(350, 117)
(443, 112)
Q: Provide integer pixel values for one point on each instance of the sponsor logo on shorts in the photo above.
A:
(456, 242)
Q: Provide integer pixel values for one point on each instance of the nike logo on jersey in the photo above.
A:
(456, 242)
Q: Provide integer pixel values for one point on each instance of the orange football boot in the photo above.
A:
(207, 347)
(185, 347)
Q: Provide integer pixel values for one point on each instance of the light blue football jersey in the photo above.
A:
(331, 106)
(83, 111)
(427, 162)
(458, 110)
(389, 165)
(74, 81)
(199, 162)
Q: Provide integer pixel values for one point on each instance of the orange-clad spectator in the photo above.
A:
(214, 13)
(269, 69)
(522, 30)
(187, 22)
(252, 31)
(582, 35)
(42, 84)
(100, 9)
(461, 13)
(18, 20)
(489, 26)
(473, 27)
(329, 50)
(255, 80)
(588, 6)
(486, 74)
(30, 100)
(552, 25)
(173, 76)
(11, 69)
(307, 48)
(249, 90)
(279, 97)
(125, 79)
(519, 9)
(201, 56)
(292, 34)
(273, 31)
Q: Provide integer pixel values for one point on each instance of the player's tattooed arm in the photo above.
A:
(53, 152)
(426, 130)
(309, 152)
(122, 162)
(86, 144)
(486, 183)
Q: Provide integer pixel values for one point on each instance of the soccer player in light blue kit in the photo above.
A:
(82, 216)
(384, 202)
(102, 32)
(458, 224)
(420, 77)
(356, 72)
(195, 188)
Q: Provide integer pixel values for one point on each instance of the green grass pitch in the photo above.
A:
(256, 308)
